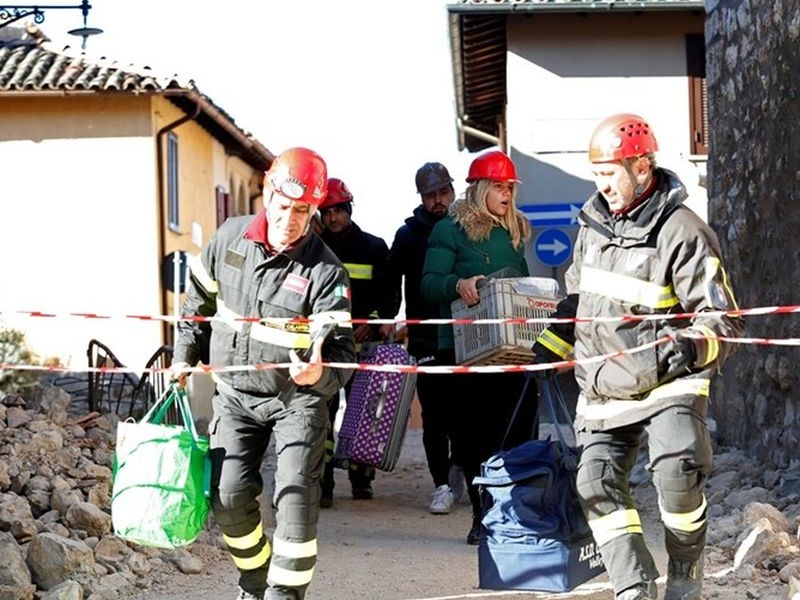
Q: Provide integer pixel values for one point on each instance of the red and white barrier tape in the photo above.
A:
(434, 369)
(764, 310)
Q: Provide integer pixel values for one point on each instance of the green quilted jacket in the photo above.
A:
(451, 256)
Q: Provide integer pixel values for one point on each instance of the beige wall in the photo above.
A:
(78, 234)
(204, 164)
(80, 229)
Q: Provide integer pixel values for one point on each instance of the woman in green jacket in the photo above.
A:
(483, 233)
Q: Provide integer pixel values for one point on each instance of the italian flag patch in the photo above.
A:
(341, 291)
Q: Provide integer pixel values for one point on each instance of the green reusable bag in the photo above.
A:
(161, 477)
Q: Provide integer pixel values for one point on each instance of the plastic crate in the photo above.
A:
(504, 344)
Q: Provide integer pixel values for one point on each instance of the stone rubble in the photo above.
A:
(56, 541)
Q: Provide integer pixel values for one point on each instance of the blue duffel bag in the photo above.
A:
(535, 536)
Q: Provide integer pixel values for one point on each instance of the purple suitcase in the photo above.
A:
(377, 411)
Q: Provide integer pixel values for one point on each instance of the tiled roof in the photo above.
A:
(31, 68)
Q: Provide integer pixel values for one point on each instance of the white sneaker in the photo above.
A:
(442, 500)
(456, 477)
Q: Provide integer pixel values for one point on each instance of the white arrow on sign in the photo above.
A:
(556, 247)
(543, 214)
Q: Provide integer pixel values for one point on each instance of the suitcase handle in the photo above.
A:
(381, 404)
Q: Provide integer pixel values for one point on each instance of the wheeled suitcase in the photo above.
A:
(378, 408)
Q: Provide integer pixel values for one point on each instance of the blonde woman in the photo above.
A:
(483, 233)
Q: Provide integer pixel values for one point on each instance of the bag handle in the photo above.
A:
(174, 394)
(556, 407)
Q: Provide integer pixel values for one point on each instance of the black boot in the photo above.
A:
(684, 580)
(474, 535)
(326, 485)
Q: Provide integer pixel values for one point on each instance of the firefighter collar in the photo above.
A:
(257, 232)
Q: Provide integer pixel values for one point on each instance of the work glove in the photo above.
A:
(677, 356)
(178, 371)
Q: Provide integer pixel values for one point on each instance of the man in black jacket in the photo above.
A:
(364, 257)
(406, 257)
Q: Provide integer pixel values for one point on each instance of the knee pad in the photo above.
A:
(596, 485)
(680, 489)
(235, 507)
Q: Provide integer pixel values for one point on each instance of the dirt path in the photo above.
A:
(391, 548)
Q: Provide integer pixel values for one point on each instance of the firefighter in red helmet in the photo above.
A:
(640, 251)
(258, 276)
(364, 257)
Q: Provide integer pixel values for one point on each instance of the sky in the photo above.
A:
(366, 83)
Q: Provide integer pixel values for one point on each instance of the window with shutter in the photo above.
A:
(698, 97)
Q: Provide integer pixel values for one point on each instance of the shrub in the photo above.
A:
(14, 351)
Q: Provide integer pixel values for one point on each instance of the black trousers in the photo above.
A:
(483, 406)
(439, 420)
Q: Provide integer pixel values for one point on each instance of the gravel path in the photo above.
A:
(391, 548)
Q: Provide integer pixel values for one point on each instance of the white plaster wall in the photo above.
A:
(78, 234)
(561, 82)
(558, 90)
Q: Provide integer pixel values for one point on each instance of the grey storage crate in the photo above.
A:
(504, 343)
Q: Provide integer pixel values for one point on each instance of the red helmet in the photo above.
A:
(621, 136)
(493, 165)
(338, 193)
(299, 174)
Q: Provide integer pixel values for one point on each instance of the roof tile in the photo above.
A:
(29, 67)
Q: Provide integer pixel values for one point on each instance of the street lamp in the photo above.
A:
(9, 13)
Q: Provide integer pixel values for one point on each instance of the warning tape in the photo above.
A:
(764, 310)
(390, 368)
(440, 369)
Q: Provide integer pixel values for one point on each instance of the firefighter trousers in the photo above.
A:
(240, 432)
(680, 459)
(484, 406)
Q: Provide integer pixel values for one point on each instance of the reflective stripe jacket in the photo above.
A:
(235, 278)
(364, 257)
(660, 258)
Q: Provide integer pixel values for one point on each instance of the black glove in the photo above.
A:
(676, 356)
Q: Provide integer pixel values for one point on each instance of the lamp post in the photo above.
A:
(10, 13)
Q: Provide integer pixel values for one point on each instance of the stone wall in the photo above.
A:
(753, 78)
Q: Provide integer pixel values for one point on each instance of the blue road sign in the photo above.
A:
(553, 247)
(547, 215)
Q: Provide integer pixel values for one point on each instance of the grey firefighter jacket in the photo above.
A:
(234, 277)
(660, 258)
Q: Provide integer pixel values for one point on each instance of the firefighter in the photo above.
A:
(274, 268)
(640, 251)
(364, 257)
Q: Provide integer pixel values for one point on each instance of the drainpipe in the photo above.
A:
(162, 210)
(499, 141)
